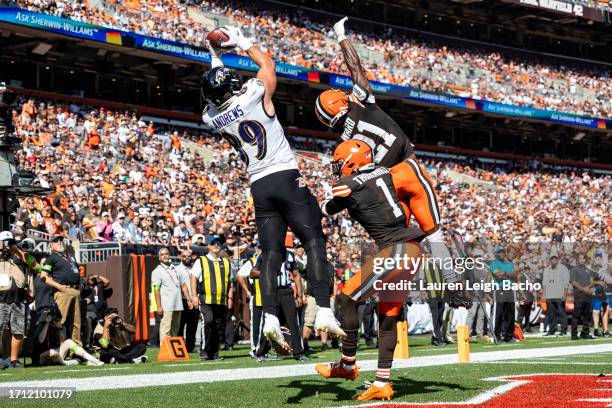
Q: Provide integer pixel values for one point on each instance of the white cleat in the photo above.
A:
(95, 362)
(326, 321)
(272, 331)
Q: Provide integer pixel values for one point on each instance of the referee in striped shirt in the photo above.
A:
(289, 298)
(211, 290)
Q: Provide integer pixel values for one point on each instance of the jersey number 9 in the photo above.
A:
(253, 133)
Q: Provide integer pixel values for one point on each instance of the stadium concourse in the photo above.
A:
(392, 57)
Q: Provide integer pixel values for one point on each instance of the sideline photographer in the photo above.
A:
(14, 313)
(113, 340)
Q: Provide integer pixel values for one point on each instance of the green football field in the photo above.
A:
(239, 381)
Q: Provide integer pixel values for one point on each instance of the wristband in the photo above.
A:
(30, 260)
(340, 37)
(38, 269)
(103, 342)
(215, 61)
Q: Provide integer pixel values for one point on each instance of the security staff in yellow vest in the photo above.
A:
(211, 290)
(248, 279)
(434, 298)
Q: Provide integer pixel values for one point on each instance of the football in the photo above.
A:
(217, 37)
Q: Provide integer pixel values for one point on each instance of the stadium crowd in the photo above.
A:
(392, 57)
(118, 178)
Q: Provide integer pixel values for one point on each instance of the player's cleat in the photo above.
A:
(326, 321)
(384, 393)
(457, 299)
(273, 332)
(337, 370)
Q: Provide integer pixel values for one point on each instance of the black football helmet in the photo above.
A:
(219, 84)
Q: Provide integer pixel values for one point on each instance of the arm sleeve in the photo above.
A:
(245, 269)
(156, 278)
(339, 201)
(196, 269)
(362, 95)
(49, 264)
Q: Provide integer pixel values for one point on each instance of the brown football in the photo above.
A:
(216, 37)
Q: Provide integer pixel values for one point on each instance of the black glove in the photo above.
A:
(457, 299)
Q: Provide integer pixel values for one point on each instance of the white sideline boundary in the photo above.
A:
(294, 370)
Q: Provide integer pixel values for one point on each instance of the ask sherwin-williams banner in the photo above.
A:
(87, 31)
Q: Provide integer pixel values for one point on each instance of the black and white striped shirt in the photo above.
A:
(284, 275)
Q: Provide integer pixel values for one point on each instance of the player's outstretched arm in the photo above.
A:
(267, 68)
(266, 73)
(351, 58)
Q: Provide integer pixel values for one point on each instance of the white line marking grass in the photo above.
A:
(294, 370)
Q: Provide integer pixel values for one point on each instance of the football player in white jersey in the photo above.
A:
(245, 115)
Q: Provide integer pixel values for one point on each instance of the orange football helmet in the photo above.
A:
(331, 105)
(350, 156)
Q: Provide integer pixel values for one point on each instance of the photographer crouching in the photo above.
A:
(113, 340)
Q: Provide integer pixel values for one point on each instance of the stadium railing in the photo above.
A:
(88, 252)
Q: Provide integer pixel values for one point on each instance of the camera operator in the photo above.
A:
(96, 291)
(113, 340)
(61, 271)
(14, 313)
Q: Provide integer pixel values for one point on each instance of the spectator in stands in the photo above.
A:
(555, 281)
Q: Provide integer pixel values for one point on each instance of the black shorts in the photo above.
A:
(282, 199)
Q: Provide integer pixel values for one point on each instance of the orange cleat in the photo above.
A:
(377, 393)
(337, 370)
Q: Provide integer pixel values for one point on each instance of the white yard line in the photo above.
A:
(294, 370)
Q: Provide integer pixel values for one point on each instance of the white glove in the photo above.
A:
(215, 60)
(236, 38)
(339, 29)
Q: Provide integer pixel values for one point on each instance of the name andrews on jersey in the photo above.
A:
(224, 119)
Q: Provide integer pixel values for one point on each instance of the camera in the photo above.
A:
(7, 130)
(116, 321)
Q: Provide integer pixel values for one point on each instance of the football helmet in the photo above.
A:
(219, 85)
(350, 156)
(331, 106)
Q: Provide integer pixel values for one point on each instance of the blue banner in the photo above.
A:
(117, 37)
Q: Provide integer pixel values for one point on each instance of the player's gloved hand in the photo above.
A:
(457, 299)
(339, 29)
(236, 38)
(215, 54)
